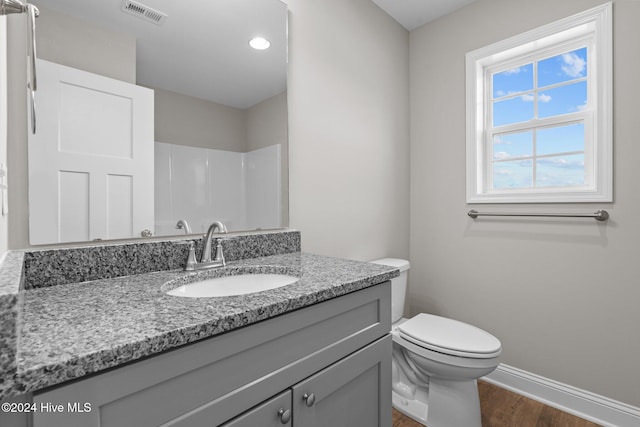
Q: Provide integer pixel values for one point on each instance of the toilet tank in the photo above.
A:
(398, 285)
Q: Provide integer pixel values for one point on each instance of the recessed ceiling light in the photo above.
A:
(259, 43)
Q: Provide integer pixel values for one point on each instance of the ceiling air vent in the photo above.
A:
(143, 12)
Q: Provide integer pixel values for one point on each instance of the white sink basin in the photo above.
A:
(232, 285)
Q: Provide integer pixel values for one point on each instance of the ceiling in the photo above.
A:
(413, 13)
(202, 48)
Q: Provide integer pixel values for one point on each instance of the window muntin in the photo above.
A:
(529, 155)
(564, 67)
(567, 138)
(539, 113)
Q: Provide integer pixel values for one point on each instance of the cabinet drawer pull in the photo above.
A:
(285, 415)
(309, 399)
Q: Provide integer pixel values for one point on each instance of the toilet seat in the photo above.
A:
(449, 336)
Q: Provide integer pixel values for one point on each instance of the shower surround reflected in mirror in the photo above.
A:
(220, 111)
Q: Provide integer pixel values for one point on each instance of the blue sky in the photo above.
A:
(559, 169)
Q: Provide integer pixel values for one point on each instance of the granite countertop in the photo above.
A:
(71, 330)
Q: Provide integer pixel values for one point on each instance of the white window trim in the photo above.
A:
(596, 21)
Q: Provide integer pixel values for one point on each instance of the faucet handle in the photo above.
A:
(219, 253)
(191, 258)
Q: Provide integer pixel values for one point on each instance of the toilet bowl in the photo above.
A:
(436, 362)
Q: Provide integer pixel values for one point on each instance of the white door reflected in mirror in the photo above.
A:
(91, 161)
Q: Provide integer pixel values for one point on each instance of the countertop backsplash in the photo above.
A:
(50, 267)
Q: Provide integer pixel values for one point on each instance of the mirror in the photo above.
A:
(220, 112)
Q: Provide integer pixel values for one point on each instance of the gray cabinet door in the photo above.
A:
(275, 412)
(355, 392)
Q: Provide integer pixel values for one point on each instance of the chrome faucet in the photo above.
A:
(206, 252)
(183, 225)
(205, 259)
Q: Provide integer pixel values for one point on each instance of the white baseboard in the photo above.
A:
(581, 403)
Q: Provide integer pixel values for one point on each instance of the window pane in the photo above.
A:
(512, 145)
(562, 68)
(560, 139)
(562, 100)
(561, 171)
(513, 110)
(513, 174)
(519, 79)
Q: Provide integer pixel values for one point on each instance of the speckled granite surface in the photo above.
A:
(10, 283)
(11, 273)
(49, 267)
(71, 330)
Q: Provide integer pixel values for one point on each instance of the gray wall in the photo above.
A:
(562, 295)
(17, 133)
(3, 126)
(185, 120)
(71, 41)
(267, 124)
(348, 129)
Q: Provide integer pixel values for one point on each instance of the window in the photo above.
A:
(539, 114)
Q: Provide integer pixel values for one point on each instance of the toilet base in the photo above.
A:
(412, 408)
(449, 403)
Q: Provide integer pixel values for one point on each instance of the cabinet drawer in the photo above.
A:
(275, 412)
(214, 380)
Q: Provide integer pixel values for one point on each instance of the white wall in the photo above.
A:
(263, 186)
(562, 295)
(348, 129)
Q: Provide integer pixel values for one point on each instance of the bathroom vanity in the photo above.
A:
(119, 351)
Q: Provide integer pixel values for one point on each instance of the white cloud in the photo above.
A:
(579, 108)
(544, 97)
(573, 65)
(528, 97)
(516, 70)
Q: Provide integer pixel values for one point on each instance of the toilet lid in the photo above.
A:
(450, 337)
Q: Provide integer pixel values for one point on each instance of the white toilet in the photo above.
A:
(436, 362)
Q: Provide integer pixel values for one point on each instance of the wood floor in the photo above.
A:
(503, 408)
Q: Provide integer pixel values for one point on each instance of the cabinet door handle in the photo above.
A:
(309, 399)
(285, 415)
